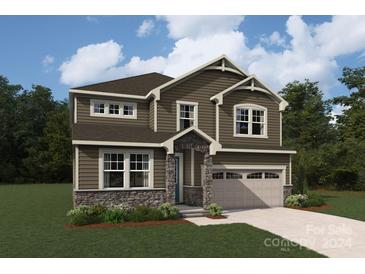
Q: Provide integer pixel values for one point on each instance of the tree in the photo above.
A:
(351, 124)
(306, 121)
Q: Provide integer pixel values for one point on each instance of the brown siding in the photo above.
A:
(226, 119)
(151, 116)
(198, 88)
(83, 111)
(235, 158)
(88, 167)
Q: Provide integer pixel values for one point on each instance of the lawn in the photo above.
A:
(32, 219)
(350, 204)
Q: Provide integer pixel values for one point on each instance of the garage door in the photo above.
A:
(247, 188)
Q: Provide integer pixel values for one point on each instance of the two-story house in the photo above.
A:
(213, 134)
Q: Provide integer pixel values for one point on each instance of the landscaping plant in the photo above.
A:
(296, 200)
(169, 211)
(215, 209)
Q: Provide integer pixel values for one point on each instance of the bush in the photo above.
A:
(215, 209)
(84, 215)
(168, 211)
(313, 200)
(117, 214)
(344, 178)
(296, 200)
(144, 213)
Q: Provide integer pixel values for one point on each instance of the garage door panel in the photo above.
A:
(248, 193)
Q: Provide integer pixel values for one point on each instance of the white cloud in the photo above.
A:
(47, 62)
(94, 62)
(307, 52)
(274, 39)
(145, 28)
(336, 111)
(196, 26)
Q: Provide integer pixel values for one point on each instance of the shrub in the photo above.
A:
(144, 213)
(313, 200)
(344, 178)
(215, 209)
(84, 215)
(98, 210)
(296, 200)
(168, 211)
(117, 214)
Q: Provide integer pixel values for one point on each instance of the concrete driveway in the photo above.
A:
(329, 235)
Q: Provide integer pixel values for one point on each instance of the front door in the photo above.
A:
(179, 163)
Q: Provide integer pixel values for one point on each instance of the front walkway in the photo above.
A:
(329, 235)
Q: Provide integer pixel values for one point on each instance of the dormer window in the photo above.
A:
(113, 109)
(186, 115)
(250, 121)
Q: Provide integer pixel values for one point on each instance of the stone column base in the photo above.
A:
(287, 191)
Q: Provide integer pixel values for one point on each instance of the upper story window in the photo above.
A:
(113, 109)
(250, 121)
(187, 114)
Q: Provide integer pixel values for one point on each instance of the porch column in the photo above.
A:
(170, 178)
(207, 180)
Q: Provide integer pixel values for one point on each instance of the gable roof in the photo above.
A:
(138, 85)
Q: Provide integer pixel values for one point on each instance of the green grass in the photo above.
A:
(32, 219)
(350, 204)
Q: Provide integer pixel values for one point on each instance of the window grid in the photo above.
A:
(250, 121)
(99, 108)
(114, 109)
(187, 116)
(128, 110)
(233, 175)
(256, 175)
(270, 175)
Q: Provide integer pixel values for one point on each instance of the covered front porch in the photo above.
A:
(189, 168)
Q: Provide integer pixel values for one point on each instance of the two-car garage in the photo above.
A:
(258, 187)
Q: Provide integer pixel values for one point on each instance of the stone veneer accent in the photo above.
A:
(287, 191)
(153, 197)
(207, 180)
(193, 195)
(170, 178)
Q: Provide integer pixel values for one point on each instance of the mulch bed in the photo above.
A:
(216, 217)
(313, 208)
(130, 224)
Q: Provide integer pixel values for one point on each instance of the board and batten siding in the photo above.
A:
(83, 111)
(89, 165)
(198, 88)
(235, 158)
(226, 119)
(187, 167)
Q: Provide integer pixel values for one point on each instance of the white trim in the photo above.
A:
(178, 104)
(247, 150)
(290, 183)
(181, 176)
(106, 143)
(75, 110)
(217, 122)
(109, 94)
(126, 171)
(192, 167)
(106, 113)
(250, 108)
(213, 147)
(120, 189)
(281, 129)
(77, 157)
(224, 68)
(155, 115)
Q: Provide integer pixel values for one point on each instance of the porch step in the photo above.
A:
(193, 213)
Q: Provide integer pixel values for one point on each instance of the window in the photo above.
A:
(270, 175)
(128, 110)
(125, 168)
(187, 115)
(113, 109)
(250, 121)
(98, 108)
(256, 175)
(218, 175)
(113, 170)
(233, 175)
(139, 170)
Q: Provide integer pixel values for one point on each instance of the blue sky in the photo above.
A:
(63, 51)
